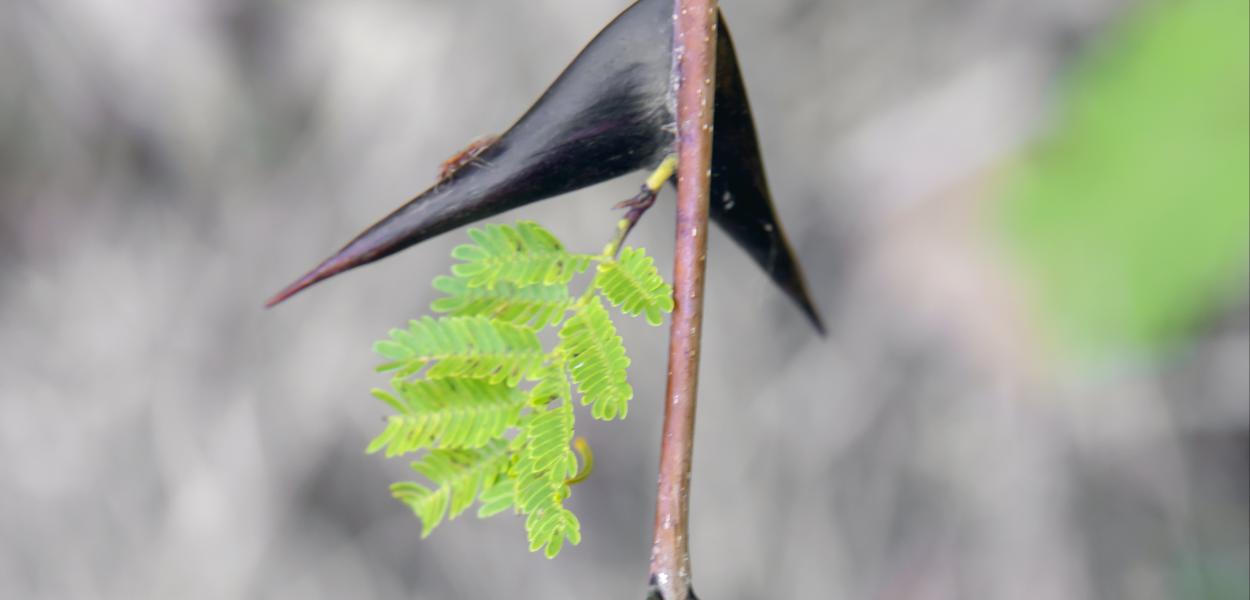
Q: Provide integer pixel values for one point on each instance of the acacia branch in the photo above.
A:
(694, 46)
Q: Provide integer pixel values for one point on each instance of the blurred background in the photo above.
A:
(1026, 224)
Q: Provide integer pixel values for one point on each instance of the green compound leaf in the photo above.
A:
(544, 461)
(455, 387)
(550, 524)
(537, 305)
(633, 284)
(458, 477)
(553, 383)
(473, 347)
(446, 413)
(523, 255)
(497, 498)
(546, 436)
(596, 358)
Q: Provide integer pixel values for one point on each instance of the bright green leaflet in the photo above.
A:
(488, 410)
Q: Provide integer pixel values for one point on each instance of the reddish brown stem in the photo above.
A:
(694, 45)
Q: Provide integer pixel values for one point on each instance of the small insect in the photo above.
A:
(464, 157)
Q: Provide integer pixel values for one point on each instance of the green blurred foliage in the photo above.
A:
(1133, 215)
(1211, 577)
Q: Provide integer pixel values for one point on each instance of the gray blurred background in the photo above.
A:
(165, 165)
